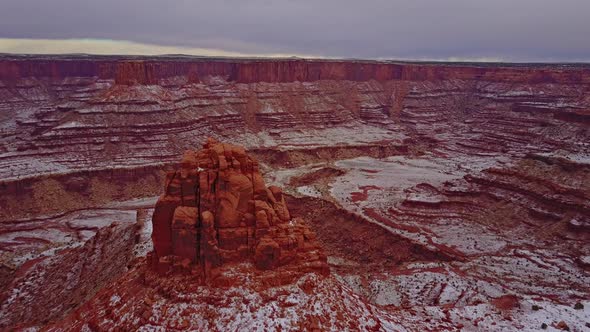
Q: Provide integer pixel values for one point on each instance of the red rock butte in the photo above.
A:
(216, 209)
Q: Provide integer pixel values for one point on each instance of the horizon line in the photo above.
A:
(73, 47)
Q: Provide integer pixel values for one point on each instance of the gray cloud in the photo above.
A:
(519, 30)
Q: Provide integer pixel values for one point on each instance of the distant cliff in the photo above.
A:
(150, 71)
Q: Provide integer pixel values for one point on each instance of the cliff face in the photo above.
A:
(48, 287)
(141, 71)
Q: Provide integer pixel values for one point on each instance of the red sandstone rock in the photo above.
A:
(217, 209)
(562, 326)
(506, 302)
(143, 71)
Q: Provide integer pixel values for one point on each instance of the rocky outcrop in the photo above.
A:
(217, 210)
(48, 287)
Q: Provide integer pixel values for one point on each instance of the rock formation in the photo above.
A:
(47, 287)
(216, 209)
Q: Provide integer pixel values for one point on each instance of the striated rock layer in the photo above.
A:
(146, 70)
(78, 114)
(217, 210)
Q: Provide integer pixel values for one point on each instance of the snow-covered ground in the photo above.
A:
(44, 236)
(493, 263)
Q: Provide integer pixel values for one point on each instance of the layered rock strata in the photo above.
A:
(216, 209)
(64, 114)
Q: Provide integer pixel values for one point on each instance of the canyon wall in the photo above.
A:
(77, 114)
(151, 71)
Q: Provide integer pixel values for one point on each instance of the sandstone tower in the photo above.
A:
(216, 210)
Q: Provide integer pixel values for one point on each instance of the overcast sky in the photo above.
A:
(510, 30)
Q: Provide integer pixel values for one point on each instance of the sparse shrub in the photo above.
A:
(506, 302)
(563, 326)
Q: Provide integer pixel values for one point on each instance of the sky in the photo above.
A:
(479, 30)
